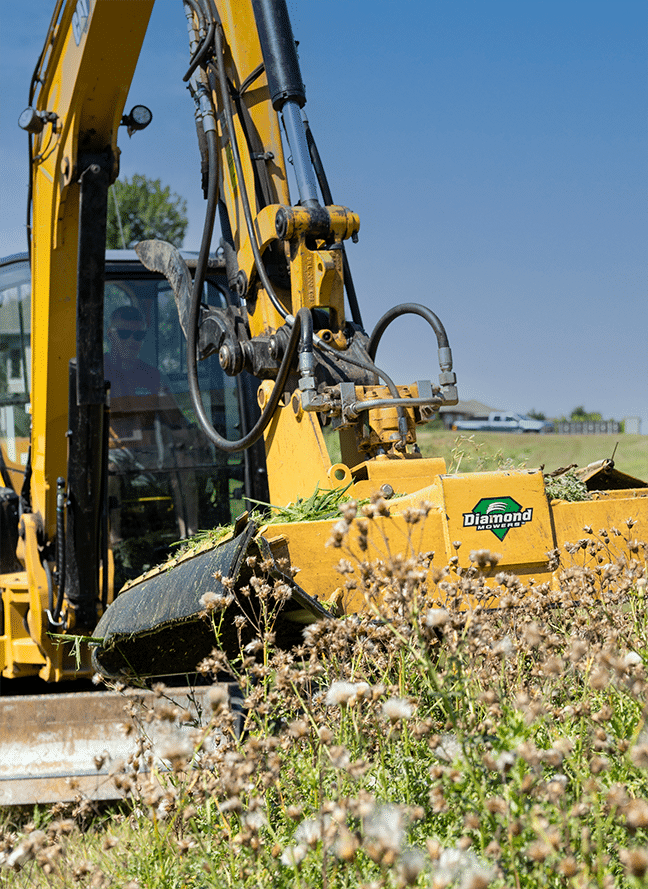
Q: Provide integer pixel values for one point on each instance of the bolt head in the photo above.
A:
(224, 357)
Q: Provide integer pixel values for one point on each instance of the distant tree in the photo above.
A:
(580, 415)
(536, 415)
(146, 210)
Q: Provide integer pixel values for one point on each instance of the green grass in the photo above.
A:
(494, 450)
(488, 450)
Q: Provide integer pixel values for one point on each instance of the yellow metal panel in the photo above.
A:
(296, 454)
(25, 651)
(505, 512)
(305, 544)
(317, 280)
(242, 57)
(403, 475)
(524, 536)
(85, 82)
(627, 515)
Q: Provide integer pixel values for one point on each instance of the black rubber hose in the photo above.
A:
(4, 472)
(35, 80)
(50, 585)
(306, 336)
(247, 212)
(249, 80)
(318, 166)
(30, 197)
(202, 52)
(199, 11)
(60, 548)
(59, 606)
(365, 365)
(257, 431)
(201, 267)
(105, 505)
(24, 498)
(407, 309)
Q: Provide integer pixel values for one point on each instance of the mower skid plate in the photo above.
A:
(157, 626)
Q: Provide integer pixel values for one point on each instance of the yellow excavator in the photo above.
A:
(146, 398)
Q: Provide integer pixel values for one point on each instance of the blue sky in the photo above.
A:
(496, 154)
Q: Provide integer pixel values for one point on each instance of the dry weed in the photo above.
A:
(413, 745)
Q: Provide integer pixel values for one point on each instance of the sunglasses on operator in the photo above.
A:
(124, 334)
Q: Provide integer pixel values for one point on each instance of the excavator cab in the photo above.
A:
(165, 480)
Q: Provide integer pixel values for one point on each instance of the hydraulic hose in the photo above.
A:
(410, 309)
(247, 212)
(445, 355)
(201, 267)
(203, 50)
(318, 166)
(306, 360)
(258, 429)
(35, 80)
(365, 365)
(198, 9)
(53, 614)
(50, 584)
(249, 80)
(53, 617)
(371, 367)
(105, 502)
(193, 7)
(61, 498)
(4, 477)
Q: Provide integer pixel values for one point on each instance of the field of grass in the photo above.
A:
(489, 450)
(430, 748)
(420, 745)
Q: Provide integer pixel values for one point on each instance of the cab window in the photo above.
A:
(15, 370)
(165, 479)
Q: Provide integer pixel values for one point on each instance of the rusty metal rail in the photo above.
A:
(55, 747)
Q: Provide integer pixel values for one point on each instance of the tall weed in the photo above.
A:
(416, 744)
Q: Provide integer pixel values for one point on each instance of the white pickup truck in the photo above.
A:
(502, 422)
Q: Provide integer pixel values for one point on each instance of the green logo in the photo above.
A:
(497, 514)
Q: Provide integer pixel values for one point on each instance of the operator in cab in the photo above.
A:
(129, 376)
(149, 434)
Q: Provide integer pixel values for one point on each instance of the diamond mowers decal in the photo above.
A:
(497, 514)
